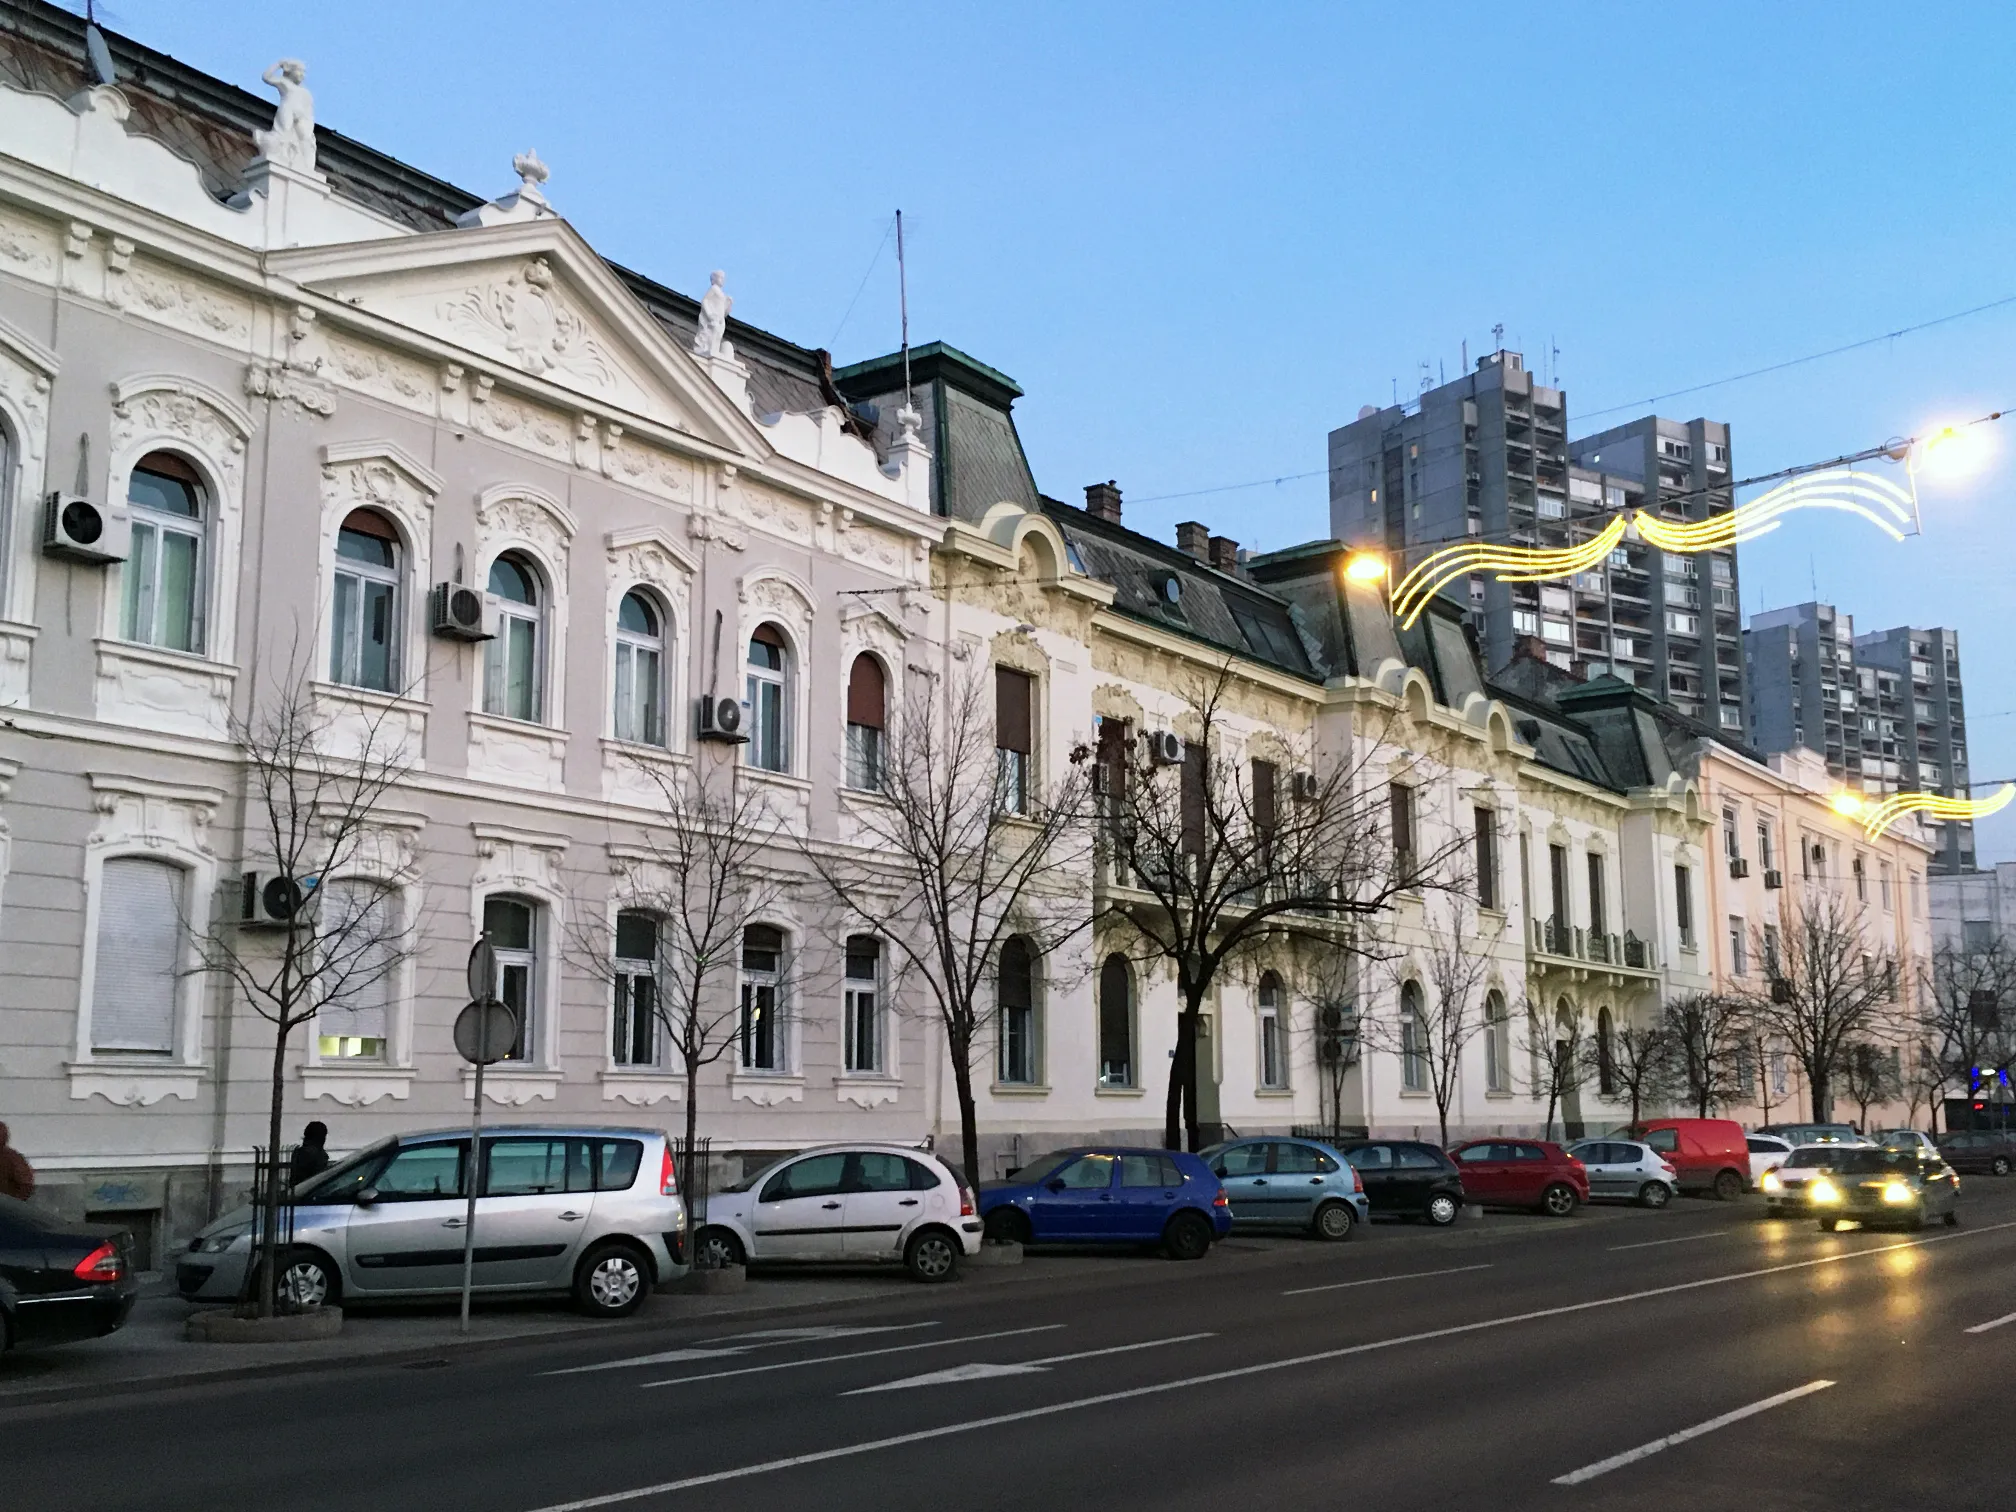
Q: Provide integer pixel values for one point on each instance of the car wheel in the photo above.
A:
(1654, 1194)
(717, 1247)
(309, 1282)
(1442, 1210)
(1008, 1225)
(1828, 1225)
(1335, 1220)
(1188, 1237)
(932, 1255)
(612, 1281)
(1559, 1200)
(1728, 1186)
(1999, 1166)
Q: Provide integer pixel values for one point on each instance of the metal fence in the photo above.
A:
(696, 1173)
(283, 1231)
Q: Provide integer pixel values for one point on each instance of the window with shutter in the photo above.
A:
(138, 949)
(1012, 743)
(867, 699)
(361, 948)
(1193, 798)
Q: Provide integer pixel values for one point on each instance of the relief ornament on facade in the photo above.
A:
(539, 331)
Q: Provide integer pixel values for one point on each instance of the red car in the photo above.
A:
(1528, 1173)
(1711, 1154)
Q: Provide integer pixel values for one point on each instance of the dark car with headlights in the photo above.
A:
(1878, 1186)
(60, 1280)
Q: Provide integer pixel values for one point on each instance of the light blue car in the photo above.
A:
(1290, 1183)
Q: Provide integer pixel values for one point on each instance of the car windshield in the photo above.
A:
(1868, 1162)
(342, 1181)
(1039, 1166)
(1819, 1157)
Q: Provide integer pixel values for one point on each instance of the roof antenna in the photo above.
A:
(94, 46)
(903, 303)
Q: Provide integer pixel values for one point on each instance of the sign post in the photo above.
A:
(484, 1032)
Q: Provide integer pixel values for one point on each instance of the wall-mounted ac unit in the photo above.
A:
(455, 612)
(1738, 867)
(83, 530)
(1165, 748)
(722, 719)
(1304, 787)
(1774, 879)
(271, 901)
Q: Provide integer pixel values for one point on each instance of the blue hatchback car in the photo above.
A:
(1290, 1183)
(1111, 1196)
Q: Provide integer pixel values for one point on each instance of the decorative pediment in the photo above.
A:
(532, 298)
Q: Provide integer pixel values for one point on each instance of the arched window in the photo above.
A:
(1497, 1043)
(1606, 1054)
(861, 1008)
(764, 1046)
(634, 1034)
(1116, 1023)
(1413, 1040)
(364, 622)
(867, 699)
(363, 942)
(135, 975)
(513, 927)
(1015, 1004)
(166, 564)
(769, 709)
(1273, 1041)
(640, 670)
(513, 670)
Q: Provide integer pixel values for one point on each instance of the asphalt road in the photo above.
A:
(1508, 1364)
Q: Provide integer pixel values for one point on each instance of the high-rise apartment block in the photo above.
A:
(1885, 708)
(1488, 457)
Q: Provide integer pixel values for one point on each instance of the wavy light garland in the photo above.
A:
(1875, 499)
(1934, 805)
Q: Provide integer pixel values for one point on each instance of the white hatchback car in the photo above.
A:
(1767, 1153)
(852, 1204)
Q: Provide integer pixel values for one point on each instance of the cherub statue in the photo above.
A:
(711, 339)
(291, 142)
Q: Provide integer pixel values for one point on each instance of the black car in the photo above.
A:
(60, 1280)
(1980, 1151)
(1407, 1178)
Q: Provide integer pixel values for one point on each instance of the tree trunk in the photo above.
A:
(1179, 1075)
(687, 1185)
(269, 1268)
(1823, 1098)
(969, 1123)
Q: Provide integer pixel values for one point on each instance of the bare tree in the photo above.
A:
(1966, 1025)
(1430, 1030)
(699, 873)
(1634, 1061)
(326, 934)
(953, 854)
(1709, 1039)
(1205, 859)
(1869, 1078)
(1830, 992)
(1560, 1066)
(1334, 1028)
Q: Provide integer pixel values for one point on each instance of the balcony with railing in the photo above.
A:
(1558, 945)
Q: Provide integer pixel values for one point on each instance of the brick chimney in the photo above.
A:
(1102, 501)
(1225, 553)
(1193, 538)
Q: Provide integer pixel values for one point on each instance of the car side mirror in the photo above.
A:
(368, 1197)
(1055, 1186)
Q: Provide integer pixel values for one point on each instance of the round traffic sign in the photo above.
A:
(485, 1031)
(482, 969)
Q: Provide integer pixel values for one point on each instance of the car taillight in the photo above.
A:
(1221, 1200)
(668, 1174)
(1668, 1168)
(966, 1202)
(1357, 1180)
(102, 1264)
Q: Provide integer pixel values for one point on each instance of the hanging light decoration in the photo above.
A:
(1878, 817)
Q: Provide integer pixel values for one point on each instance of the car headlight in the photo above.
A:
(218, 1243)
(1899, 1192)
(1770, 1182)
(1823, 1190)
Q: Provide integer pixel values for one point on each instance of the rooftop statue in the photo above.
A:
(291, 142)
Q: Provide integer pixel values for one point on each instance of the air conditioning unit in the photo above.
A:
(458, 613)
(1304, 787)
(1738, 867)
(271, 901)
(1819, 853)
(1165, 748)
(1774, 879)
(84, 531)
(1781, 990)
(722, 719)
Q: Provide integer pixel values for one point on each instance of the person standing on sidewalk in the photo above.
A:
(311, 1156)
(17, 1177)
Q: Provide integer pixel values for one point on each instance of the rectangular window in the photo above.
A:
(361, 938)
(640, 678)
(1731, 849)
(1273, 1053)
(511, 669)
(1487, 859)
(634, 1033)
(1599, 919)
(1739, 948)
(1400, 811)
(1771, 950)
(1683, 905)
(513, 927)
(1012, 738)
(1015, 1006)
(1767, 848)
(139, 943)
(861, 1006)
(763, 1045)
(1861, 874)
(1266, 814)
(1557, 877)
(1192, 798)
(360, 652)
(162, 571)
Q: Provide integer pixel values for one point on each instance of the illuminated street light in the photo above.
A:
(1847, 804)
(1953, 451)
(1365, 567)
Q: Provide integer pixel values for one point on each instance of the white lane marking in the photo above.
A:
(858, 1354)
(1079, 1404)
(1992, 1323)
(1683, 1239)
(1643, 1451)
(984, 1372)
(1454, 1270)
(768, 1338)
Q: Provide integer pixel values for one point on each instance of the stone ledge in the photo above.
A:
(222, 1326)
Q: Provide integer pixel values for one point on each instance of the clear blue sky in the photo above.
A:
(1200, 236)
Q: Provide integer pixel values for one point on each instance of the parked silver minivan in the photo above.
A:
(579, 1209)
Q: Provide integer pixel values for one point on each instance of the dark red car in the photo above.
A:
(1524, 1173)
